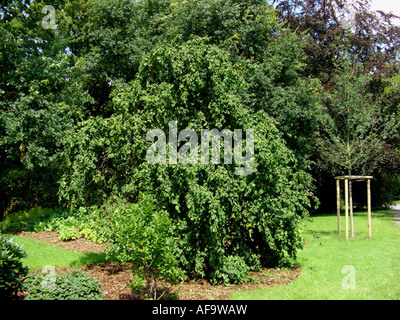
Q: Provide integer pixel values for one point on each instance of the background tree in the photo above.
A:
(38, 103)
(335, 27)
(356, 126)
(373, 36)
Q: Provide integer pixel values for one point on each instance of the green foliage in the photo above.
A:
(76, 104)
(394, 84)
(89, 234)
(66, 222)
(38, 104)
(68, 233)
(23, 219)
(216, 212)
(269, 56)
(352, 137)
(22, 188)
(141, 234)
(12, 271)
(74, 285)
(233, 270)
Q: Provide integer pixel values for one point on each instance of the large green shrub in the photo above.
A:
(12, 271)
(221, 219)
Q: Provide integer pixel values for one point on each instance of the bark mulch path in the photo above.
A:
(114, 275)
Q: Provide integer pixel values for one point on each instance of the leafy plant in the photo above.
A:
(12, 271)
(68, 233)
(89, 234)
(141, 234)
(23, 218)
(74, 285)
(234, 269)
(216, 213)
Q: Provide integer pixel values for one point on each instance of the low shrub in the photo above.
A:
(24, 218)
(12, 271)
(68, 233)
(141, 234)
(74, 285)
(233, 269)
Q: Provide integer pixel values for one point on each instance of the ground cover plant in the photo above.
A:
(70, 224)
(74, 285)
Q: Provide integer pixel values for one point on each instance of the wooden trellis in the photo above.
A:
(346, 200)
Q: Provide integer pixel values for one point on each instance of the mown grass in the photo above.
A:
(376, 262)
(41, 254)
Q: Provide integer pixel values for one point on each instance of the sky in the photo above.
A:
(386, 6)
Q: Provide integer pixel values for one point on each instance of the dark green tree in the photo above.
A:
(227, 223)
(334, 28)
(39, 101)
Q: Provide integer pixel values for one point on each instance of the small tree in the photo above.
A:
(141, 234)
(355, 126)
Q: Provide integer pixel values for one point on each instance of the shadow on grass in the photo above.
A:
(375, 213)
(91, 257)
(320, 230)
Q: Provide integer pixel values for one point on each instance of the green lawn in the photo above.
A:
(375, 262)
(41, 254)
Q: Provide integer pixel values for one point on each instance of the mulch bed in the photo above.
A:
(79, 245)
(114, 275)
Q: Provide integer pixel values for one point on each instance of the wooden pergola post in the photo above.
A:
(346, 201)
(369, 206)
(346, 206)
(338, 204)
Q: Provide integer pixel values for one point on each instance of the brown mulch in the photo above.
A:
(114, 275)
(79, 245)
